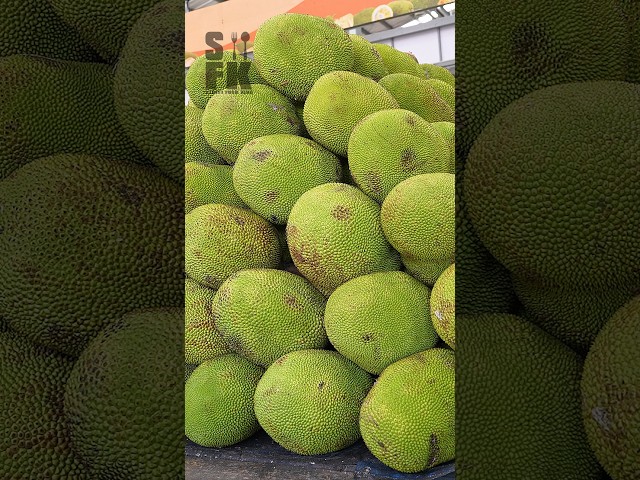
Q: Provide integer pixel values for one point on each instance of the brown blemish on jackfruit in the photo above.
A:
(367, 337)
(341, 212)
(270, 196)
(408, 160)
(533, 50)
(320, 385)
(410, 119)
(292, 302)
(381, 445)
(261, 155)
(434, 450)
(374, 182)
(239, 220)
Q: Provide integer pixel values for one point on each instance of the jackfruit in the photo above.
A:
(196, 148)
(32, 27)
(204, 183)
(104, 25)
(443, 306)
(518, 397)
(363, 16)
(417, 95)
(334, 235)
(400, 7)
(389, 146)
(76, 97)
(35, 441)
(418, 217)
(439, 73)
(271, 173)
(631, 14)
(352, 97)
(231, 120)
(202, 341)
(447, 131)
(444, 90)
(58, 206)
(377, 319)
(533, 48)
(128, 384)
(397, 61)
(219, 401)
(422, 4)
(571, 314)
(610, 392)
(214, 73)
(254, 305)
(427, 271)
(221, 240)
(148, 89)
(367, 61)
(542, 157)
(407, 419)
(291, 51)
(309, 401)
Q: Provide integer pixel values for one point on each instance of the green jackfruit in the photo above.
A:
(367, 60)
(443, 306)
(219, 401)
(444, 90)
(42, 118)
(204, 183)
(258, 304)
(353, 97)
(334, 235)
(526, 384)
(542, 156)
(148, 88)
(419, 96)
(221, 240)
(397, 61)
(309, 401)
(127, 384)
(271, 173)
(196, 147)
(390, 146)
(86, 213)
(35, 441)
(291, 51)
(447, 130)
(439, 73)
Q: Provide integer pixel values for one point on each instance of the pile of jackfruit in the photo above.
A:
(319, 246)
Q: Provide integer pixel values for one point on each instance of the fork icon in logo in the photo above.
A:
(234, 39)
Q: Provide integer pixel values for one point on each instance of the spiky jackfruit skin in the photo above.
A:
(215, 73)
(447, 131)
(573, 315)
(417, 95)
(291, 51)
(202, 341)
(439, 73)
(418, 217)
(219, 401)
(377, 319)
(147, 63)
(258, 304)
(610, 391)
(204, 183)
(444, 90)
(87, 212)
(586, 235)
(407, 419)
(527, 386)
(307, 392)
(631, 14)
(533, 48)
(33, 28)
(443, 306)
(367, 61)
(353, 97)
(128, 384)
(390, 146)
(334, 235)
(231, 120)
(196, 147)
(221, 240)
(104, 25)
(35, 441)
(271, 173)
(76, 97)
(427, 271)
(397, 61)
